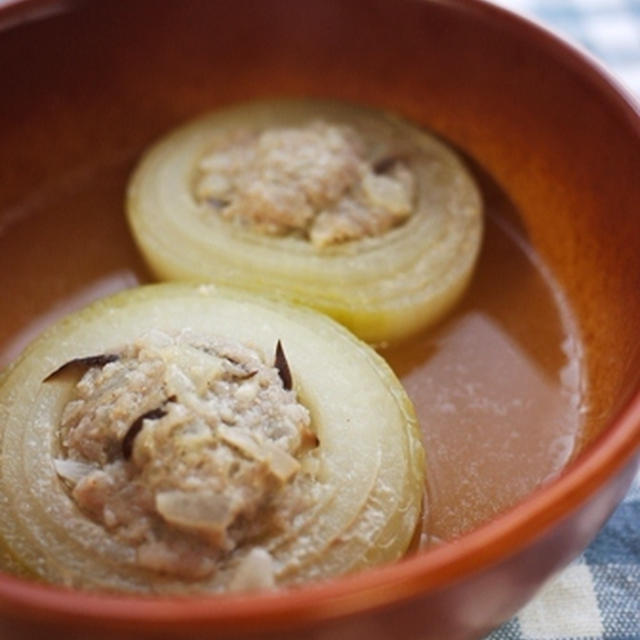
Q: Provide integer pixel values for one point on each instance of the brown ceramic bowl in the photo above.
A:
(555, 145)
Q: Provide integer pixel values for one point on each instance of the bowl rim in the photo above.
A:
(433, 569)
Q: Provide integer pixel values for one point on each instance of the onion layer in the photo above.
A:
(383, 288)
(369, 462)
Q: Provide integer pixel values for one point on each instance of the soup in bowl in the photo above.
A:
(525, 390)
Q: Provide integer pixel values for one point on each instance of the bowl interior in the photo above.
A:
(553, 145)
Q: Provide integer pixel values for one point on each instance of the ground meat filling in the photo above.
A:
(186, 450)
(312, 181)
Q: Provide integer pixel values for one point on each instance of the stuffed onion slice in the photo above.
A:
(345, 209)
(182, 438)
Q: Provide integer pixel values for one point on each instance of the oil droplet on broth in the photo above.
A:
(496, 386)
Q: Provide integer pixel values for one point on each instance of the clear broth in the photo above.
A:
(497, 386)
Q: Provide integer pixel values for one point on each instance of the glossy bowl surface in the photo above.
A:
(87, 83)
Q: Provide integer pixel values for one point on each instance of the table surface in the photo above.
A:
(598, 596)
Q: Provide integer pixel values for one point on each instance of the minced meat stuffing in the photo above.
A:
(312, 181)
(212, 460)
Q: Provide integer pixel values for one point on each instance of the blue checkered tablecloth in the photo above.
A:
(598, 596)
(608, 29)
